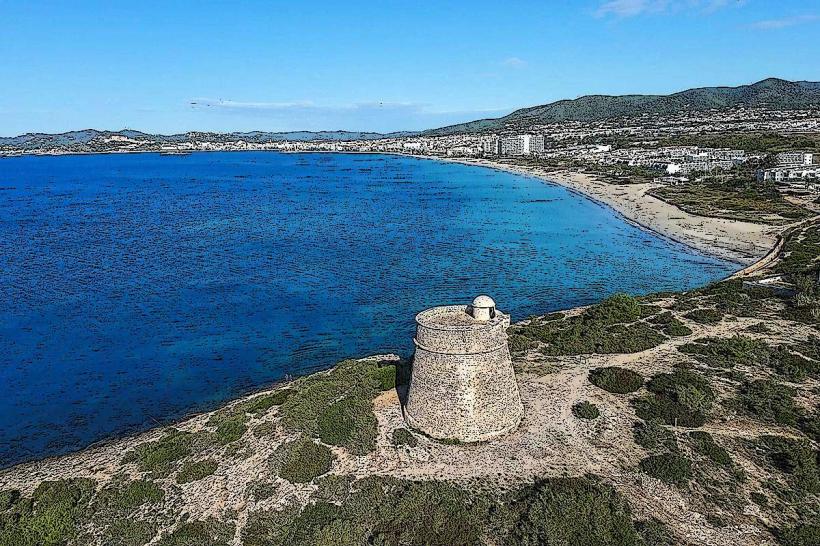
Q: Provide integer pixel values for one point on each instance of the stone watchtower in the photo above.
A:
(463, 386)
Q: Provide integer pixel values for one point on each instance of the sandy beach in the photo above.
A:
(741, 242)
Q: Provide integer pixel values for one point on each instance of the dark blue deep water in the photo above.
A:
(137, 288)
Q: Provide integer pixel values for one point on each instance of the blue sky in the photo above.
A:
(175, 66)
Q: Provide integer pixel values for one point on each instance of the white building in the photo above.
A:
(795, 177)
(522, 145)
(490, 145)
(794, 158)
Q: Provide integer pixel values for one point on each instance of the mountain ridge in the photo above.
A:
(773, 93)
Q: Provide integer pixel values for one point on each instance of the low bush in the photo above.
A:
(305, 460)
(52, 516)
(681, 398)
(385, 376)
(616, 309)
(200, 533)
(231, 429)
(612, 326)
(349, 423)
(616, 380)
(125, 497)
(671, 325)
(705, 316)
(770, 402)
(349, 379)
(403, 437)
(129, 532)
(810, 425)
(654, 533)
(389, 511)
(703, 443)
(261, 404)
(578, 511)
(720, 352)
(380, 511)
(671, 468)
(759, 498)
(653, 436)
(8, 498)
(159, 455)
(193, 471)
(795, 458)
(520, 344)
(793, 367)
(585, 410)
(800, 534)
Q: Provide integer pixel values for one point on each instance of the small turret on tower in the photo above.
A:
(483, 308)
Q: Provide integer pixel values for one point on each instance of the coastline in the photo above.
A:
(741, 242)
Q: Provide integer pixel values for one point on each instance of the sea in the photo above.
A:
(138, 288)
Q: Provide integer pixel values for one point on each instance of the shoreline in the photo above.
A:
(743, 243)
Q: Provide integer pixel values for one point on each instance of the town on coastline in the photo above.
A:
(663, 149)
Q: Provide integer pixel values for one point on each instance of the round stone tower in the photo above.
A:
(462, 385)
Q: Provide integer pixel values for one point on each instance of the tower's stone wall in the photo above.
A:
(462, 385)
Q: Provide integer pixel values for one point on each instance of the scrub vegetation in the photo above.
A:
(735, 199)
(619, 324)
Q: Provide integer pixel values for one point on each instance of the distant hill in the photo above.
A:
(81, 139)
(772, 93)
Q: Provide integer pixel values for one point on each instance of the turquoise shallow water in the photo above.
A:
(137, 288)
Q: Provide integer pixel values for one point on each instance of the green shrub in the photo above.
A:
(129, 532)
(349, 423)
(231, 429)
(606, 328)
(403, 437)
(520, 344)
(577, 511)
(801, 534)
(759, 328)
(793, 367)
(681, 398)
(200, 533)
(654, 533)
(671, 468)
(770, 402)
(384, 511)
(193, 471)
(720, 352)
(703, 443)
(705, 316)
(385, 376)
(8, 498)
(759, 498)
(795, 458)
(585, 410)
(126, 496)
(617, 309)
(810, 425)
(677, 329)
(349, 379)
(52, 516)
(261, 404)
(305, 461)
(159, 455)
(653, 436)
(616, 380)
